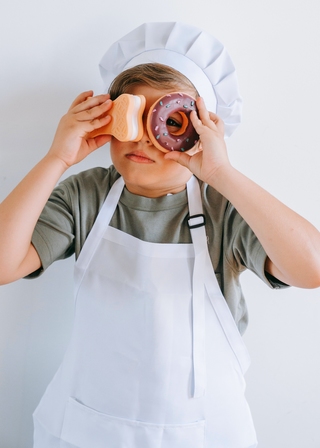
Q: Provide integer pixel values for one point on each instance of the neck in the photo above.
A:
(151, 192)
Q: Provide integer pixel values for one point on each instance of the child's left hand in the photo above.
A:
(212, 152)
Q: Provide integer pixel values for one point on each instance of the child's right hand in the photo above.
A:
(71, 143)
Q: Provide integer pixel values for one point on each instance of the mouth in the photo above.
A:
(139, 157)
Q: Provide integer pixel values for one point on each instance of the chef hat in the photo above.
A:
(193, 52)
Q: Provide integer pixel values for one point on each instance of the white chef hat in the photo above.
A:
(193, 52)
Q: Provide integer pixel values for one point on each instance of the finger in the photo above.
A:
(97, 123)
(99, 111)
(208, 118)
(195, 120)
(203, 112)
(180, 157)
(217, 121)
(101, 140)
(205, 119)
(81, 98)
(91, 102)
(201, 125)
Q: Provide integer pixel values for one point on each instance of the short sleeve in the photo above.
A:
(70, 213)
(53, 237)
(244, 250)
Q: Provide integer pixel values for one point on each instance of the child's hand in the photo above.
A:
(71, 143)
(212, 153)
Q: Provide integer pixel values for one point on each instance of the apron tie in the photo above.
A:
(196, 223)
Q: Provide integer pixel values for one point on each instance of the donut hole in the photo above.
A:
(182, 119)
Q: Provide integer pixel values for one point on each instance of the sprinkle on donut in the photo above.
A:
(185, 137)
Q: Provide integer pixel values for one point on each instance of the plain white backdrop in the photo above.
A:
(49, 53)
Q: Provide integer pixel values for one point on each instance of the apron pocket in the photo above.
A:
(86, 428)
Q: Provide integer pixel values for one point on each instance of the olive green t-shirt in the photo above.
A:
(75, 203)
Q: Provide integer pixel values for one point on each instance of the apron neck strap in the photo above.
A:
(196, 224)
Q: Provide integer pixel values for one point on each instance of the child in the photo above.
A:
(156, 358)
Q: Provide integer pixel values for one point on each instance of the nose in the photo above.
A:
(145, 139)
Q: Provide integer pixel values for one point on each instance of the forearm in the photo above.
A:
(20, 211)
(291, 242)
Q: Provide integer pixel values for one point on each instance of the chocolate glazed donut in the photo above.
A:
(185, 137)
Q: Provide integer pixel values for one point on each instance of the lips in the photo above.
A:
(139, 157)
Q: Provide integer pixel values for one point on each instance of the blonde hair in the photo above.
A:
(157, 76)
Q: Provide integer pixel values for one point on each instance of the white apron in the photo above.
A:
(155, 358)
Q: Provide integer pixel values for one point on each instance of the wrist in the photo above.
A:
(222, 178)
(55, 162)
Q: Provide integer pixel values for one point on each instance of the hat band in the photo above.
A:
(183, 65)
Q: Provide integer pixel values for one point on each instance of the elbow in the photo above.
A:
(312, 278)
(305, 274)
(8, 275)
(309, 268)
(6, 279)
(315, 283)
(315, 269)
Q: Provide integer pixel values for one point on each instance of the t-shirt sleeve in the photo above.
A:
(70, 213)
(53, 237)
(245, 250)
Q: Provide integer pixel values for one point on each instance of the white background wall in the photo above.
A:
(50, 52)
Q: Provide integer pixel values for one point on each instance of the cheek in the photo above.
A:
(174, 169)
(112, 150)
(115, 151)
(116, 147)
(114, 143)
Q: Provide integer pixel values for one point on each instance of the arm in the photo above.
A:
(20, 211)
(291, 242)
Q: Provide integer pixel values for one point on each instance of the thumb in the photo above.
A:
(180, 157)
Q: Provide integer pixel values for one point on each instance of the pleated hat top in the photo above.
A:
(193, 52)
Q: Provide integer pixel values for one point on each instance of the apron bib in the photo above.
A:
(155, 358)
